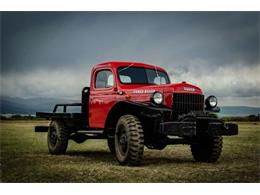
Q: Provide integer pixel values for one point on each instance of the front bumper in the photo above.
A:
(198, 127)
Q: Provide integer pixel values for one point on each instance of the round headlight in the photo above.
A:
(157, 98)
(211, 101)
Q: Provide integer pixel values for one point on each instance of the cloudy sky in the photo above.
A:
(50, 54)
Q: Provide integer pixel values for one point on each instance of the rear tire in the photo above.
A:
(129, 140)
(57, 138)
(207, 149)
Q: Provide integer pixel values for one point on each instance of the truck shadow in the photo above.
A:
(105, 156)
(93, 155)
(164, 161)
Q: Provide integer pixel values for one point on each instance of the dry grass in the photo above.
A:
(24, 158)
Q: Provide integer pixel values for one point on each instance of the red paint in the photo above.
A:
(102, 100)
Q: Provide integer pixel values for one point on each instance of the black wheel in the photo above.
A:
(129, 140)
(111, 145)
(207, 149)
(57, 138)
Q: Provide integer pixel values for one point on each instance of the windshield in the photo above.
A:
(141, 75)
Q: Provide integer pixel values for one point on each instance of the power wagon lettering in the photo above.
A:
(144, 91)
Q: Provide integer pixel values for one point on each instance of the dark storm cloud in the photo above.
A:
(219, 51)
(43, 40)
(1, 42)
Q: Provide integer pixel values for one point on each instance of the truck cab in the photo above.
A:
(134, 105)
(114, 82)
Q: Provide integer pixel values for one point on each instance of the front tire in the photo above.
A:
(207, 148)
(57, 138)
(129, 140)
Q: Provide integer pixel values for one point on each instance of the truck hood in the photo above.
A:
(142, 93)
(165, 88)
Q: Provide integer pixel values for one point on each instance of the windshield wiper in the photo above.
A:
(125, 67)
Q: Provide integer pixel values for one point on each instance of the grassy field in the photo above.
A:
(24, 158)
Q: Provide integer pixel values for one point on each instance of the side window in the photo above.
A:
(159, 80)
(104, 79)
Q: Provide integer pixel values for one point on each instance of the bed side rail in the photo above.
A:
(65, 106)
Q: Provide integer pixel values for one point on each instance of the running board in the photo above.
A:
(94, 131)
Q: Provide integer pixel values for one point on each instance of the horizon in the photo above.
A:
(78, 100)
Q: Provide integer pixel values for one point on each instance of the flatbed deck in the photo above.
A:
(54, 115)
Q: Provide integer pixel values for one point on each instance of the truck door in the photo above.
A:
(102, 96)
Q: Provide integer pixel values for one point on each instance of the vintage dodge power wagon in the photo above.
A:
(133, 105)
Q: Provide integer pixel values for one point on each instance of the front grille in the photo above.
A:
(184, 103)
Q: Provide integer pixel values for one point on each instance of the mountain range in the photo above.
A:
(15, 105)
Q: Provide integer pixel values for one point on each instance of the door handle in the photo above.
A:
(120, 92)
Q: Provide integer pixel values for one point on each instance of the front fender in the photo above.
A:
(141, 110)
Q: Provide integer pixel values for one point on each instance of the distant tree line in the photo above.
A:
(17, 117)
(243, 118)
(229, 118)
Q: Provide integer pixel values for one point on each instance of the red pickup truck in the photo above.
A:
(133, 105)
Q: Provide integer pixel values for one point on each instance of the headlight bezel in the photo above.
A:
(153, 96)
(209, 102)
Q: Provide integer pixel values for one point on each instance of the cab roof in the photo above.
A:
(116, 64)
